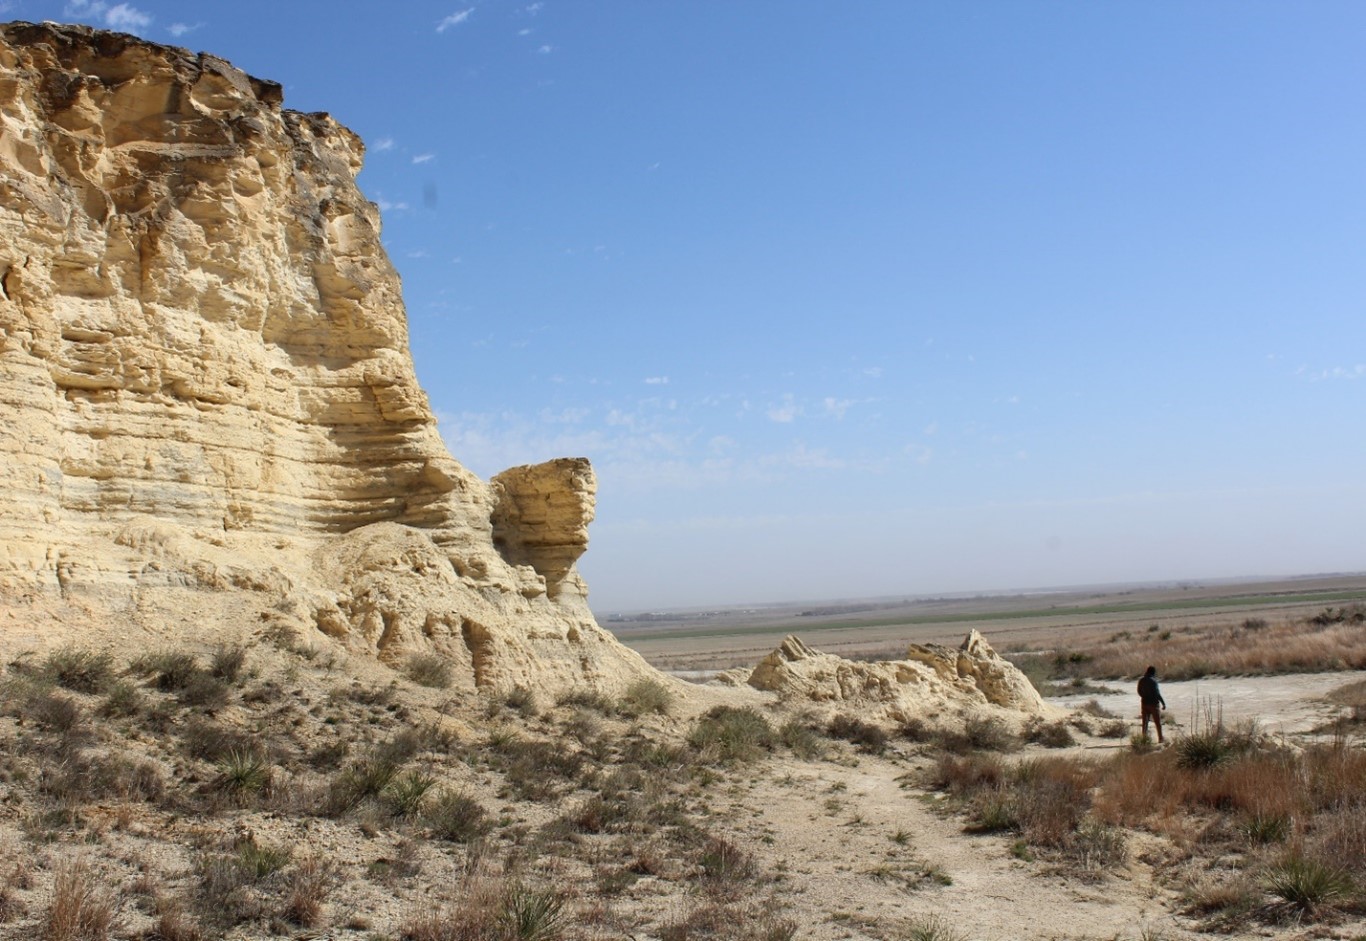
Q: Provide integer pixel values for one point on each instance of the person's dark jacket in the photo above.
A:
(1149, 694)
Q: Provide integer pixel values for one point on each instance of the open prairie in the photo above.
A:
(720, 639)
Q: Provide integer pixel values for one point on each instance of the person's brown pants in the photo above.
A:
(1153, 712)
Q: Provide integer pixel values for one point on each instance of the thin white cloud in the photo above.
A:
(837, 407)
(455, 19)
(124, 16)
(419, 253)
(524, 32)
(1341, 372)
(384, 143)
(180, 29)
(784, 413)
(385, 206)
(532, 9)
(546, 50)
(424, 158)
(931, 429)
(873, 372)
(657, 381)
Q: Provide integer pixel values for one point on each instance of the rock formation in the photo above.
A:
(208, 410)
(934, 683)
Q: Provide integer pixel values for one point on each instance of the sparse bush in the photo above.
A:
(521, 699)
(965, 775)
(429, 669)
(725, 865)
(79, 911)
(978, 734)
(56, 712)
(123, 699)
(1049, 734)
(168, 671)
(917, 730)
(646, 696)
(457, 817)
(868, 737)
(81, 671)
(227, 663)
(260, 861)
(588, 699)
(801, 739)
(731, 733)
(363, 780)
(1114, 728)
(533, 914)
(306, 886)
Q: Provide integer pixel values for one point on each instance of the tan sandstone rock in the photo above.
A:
(934, 683)
(209, 418)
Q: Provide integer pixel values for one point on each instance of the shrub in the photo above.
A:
(81, 671)
(227, 663)
(260, 861)
(122, 699)
(306, 887)
(361, 781)
(724, 864)
(801, 739)
(529, 914)
(1306, 886)
(980, 734)
(242, 774)
(931, 928)
(168, 671)
(428, 669)
(404, 795)
(457, 817)
(646, 696)
(965, 775)
(868, 737)
(1049, 734)
(56, 712)
(521, 699)
(733, 733)
(78, 911)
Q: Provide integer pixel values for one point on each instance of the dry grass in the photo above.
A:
(1329, 641)
(80, 910)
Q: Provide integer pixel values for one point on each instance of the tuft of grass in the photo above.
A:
(533, 914)
(227, 663)
(306, 887)
(930, 928)
(430, 670)
(404, 796)
(868, 737)
(1305, 886)
(78, 910)
(733, 734)
(801, 739)
(457, 817)
(81, 671)
(1049, 734)
(243, 773)
(646, 696)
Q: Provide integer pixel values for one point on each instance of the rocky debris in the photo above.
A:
(207, 388)
(933, 683)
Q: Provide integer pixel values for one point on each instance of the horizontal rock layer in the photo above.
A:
(205, 380)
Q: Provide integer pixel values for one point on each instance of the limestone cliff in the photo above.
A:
(205, 385)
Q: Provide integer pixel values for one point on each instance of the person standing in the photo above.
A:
(1151, 702)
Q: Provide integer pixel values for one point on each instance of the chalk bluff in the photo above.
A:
(209, 418)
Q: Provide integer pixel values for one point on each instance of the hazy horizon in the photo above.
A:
(852, 299)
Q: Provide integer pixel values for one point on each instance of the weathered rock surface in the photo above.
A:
(206, 388)
(934, 683)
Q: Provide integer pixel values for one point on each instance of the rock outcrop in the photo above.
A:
(933, 683)
(205, 386)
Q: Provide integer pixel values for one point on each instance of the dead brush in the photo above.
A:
(79, 911)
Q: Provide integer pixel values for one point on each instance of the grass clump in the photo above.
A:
(733, 734)
(1306, 887)
(81, 671)
(868, 737)
(78, 910)
(456, 817)
(430, 670)
(646, 696)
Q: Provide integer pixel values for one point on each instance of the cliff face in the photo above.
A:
(205, 381)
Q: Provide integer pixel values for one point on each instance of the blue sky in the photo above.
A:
(849, 299)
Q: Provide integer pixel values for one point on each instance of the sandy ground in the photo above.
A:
(859, 844)
(1281, 705)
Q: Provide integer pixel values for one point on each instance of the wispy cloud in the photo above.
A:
(657, 381)
(455, 19)
(1340, 372)
(385, 206)
(836, 407)
(384, 143)
(180, 29)
(424, 158)
(120, 16)
(784, 413)
(546, 49)
(531, 9)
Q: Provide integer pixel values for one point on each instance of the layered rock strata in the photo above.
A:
(936, 684)
(205, 384)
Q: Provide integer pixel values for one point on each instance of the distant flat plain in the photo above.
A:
(880, 628)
